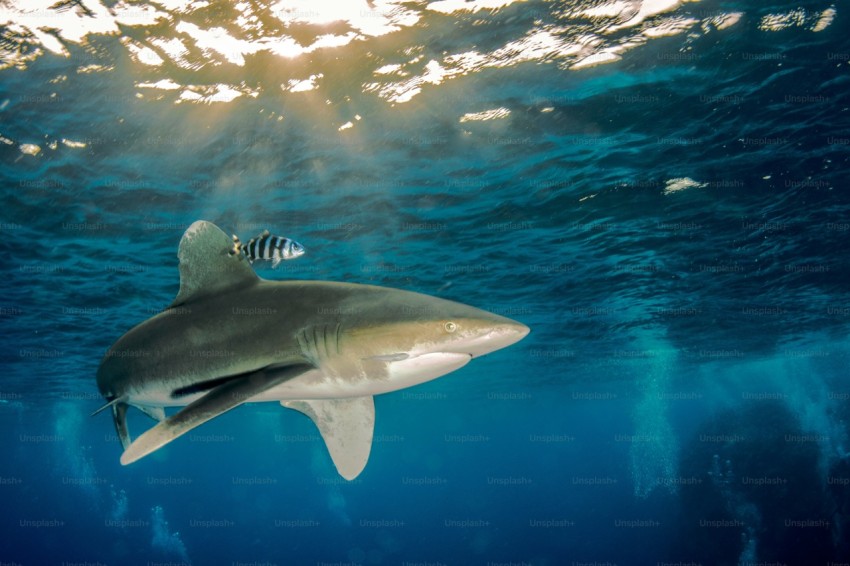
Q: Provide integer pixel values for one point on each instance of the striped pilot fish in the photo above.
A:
(268, 248)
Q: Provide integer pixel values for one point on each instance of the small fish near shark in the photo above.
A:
(319, 347)
(267, 247)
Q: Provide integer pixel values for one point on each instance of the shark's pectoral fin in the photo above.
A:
(346, 425)
(119, 417)
(226, 396)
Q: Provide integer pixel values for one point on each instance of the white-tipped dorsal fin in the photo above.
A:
(346, 425)
(207, 265)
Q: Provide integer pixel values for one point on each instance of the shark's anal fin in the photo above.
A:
(119, 416)
(219, 400)
(347, 427)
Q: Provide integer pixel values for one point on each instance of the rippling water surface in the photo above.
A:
(657, 188)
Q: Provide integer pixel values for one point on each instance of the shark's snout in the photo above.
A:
(495, 337)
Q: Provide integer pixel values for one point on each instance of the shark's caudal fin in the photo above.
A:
(119, 417)
(206, 265)
(220, 400)
(111, 403)
(119, 408)
(346, 425)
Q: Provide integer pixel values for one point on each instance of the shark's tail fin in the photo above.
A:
(119, 417)
(111, 403)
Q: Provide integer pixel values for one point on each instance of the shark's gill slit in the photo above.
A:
(326, 341)
(336, 332)
(316, 342)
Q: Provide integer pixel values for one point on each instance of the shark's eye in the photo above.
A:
(450, 327)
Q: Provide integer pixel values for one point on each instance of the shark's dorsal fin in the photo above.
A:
(346, 425)
(207, 265)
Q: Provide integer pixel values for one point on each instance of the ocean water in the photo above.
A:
(658, 189)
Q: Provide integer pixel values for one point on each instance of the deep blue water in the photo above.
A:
(658, 189)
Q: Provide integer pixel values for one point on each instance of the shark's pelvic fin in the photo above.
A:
(156, 413)
(346, 425)
(220, 400)
(207, 266)
(119, 416)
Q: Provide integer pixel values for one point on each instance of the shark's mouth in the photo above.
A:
(425, 367)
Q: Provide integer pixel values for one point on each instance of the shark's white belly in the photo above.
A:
(390, 375)
(399, 374)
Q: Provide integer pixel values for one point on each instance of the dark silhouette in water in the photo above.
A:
(761, 498)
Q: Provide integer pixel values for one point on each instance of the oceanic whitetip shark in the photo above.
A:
(319, 347)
